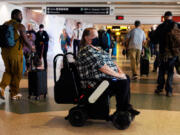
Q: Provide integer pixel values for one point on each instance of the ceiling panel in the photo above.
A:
(149, 11)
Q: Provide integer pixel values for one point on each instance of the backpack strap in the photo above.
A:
(19, 38)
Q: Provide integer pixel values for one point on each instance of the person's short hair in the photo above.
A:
(109, 31)
(41, 26)
(15, 12)
(137, 23)
(168, 13)
(78, 23)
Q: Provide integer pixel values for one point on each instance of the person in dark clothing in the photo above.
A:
(166, 56)
(42, 40)
(151, 44)
(156, 62)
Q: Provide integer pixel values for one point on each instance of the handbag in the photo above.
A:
(177, 65)
(124, 52)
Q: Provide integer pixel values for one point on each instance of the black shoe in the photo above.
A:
(168, 94)
(134, 112)
(157, 91)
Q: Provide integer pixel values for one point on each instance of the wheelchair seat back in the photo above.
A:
(67, 87)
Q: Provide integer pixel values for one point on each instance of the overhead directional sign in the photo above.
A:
(78, 10)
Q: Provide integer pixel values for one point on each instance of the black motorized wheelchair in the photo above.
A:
(90, 103)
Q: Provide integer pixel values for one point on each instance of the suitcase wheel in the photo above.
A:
(37, 98)
(44, 96)
(29, 97)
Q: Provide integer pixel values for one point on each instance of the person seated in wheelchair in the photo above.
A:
(94, 63)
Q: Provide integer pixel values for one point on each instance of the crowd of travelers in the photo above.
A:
(93, 50)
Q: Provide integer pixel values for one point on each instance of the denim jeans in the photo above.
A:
(166, 67)
(152, 47)
(156, 62)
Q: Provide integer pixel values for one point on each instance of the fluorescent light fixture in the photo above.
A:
(37, 10)
(109, 27)
(118, 33)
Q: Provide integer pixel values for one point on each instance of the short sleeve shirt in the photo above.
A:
(136, 36)
(78, 33)
(89, 61)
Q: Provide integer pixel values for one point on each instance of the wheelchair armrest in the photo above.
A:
(98, 91)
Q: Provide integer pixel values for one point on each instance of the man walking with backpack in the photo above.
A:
(167, 36)
(12, 53)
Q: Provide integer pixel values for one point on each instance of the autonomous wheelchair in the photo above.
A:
(90, 103)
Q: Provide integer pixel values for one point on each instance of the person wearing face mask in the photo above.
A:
(41, 43)
(95, 64)
(167, 56)
(13, 57)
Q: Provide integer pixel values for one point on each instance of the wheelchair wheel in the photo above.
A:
(121, 120)
(77, 116)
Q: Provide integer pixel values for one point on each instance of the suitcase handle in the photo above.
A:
(55, 64)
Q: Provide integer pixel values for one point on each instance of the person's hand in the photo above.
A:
(41, 43)
(33, 49)
(66, 46)
(122, 76)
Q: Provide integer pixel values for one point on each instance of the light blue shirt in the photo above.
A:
(136, 37)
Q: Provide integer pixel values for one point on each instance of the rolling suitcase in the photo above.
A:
(144, 66)
(37, 81)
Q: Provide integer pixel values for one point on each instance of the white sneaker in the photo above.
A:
(135, 77)
(16, 97)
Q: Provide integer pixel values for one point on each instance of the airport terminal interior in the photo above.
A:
(159, 114)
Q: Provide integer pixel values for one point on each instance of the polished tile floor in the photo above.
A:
(160, 115)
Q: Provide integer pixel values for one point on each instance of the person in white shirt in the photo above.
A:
(76, 37)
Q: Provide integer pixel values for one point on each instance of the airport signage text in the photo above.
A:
(78, 10)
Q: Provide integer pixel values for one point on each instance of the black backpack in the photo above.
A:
(173, 40)
(7, 35)
(103, 39)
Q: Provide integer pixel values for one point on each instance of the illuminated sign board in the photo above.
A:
(78, 10)
(175, 18)
(119, 17)
(115, 27)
